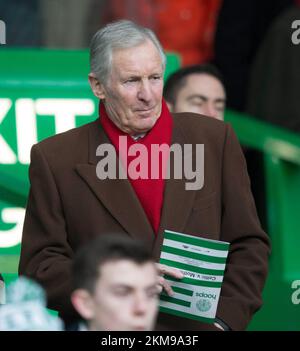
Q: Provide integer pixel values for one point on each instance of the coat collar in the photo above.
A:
(121, 201)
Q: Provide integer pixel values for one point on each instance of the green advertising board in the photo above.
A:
(42, 92)
(31, 85)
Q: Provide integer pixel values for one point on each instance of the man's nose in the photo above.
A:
(140, 304)
(145, 92)
(209, 110)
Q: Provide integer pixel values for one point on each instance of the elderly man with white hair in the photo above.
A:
(79, 191)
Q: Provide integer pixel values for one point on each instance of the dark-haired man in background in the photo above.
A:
(198, 89)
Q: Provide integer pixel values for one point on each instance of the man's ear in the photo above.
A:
(83, 303)
(96, 86)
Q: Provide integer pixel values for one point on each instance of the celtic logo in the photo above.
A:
(203, 305)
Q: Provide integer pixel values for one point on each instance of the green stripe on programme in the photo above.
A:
(195, 282)
(171, 299)
(193, 255)
(196, 241)
(186, 315)
(188, 267)
(182, 291)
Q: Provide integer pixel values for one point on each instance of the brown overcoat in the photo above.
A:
(68, 205)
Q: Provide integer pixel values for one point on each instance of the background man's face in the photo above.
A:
(202, 93)
(125, 297)
(133, 94)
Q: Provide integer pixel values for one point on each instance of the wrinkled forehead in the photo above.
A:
(139, 58)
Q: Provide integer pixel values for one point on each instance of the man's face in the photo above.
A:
(202, 93)
(133, 93)
(125, 297)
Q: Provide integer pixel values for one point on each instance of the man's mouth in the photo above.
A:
(145, 112)
(148, 109)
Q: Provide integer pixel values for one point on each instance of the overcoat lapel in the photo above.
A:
(116, 195)
(178, 202)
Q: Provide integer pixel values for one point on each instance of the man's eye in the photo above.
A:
(121, 292)
(197, 103)
(131, 80)
(156, 77)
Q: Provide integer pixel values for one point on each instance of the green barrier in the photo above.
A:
(281, 151)
(42, 92)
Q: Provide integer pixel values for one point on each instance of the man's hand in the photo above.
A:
(162, 283)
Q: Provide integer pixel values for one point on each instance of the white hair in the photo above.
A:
(121, 34)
